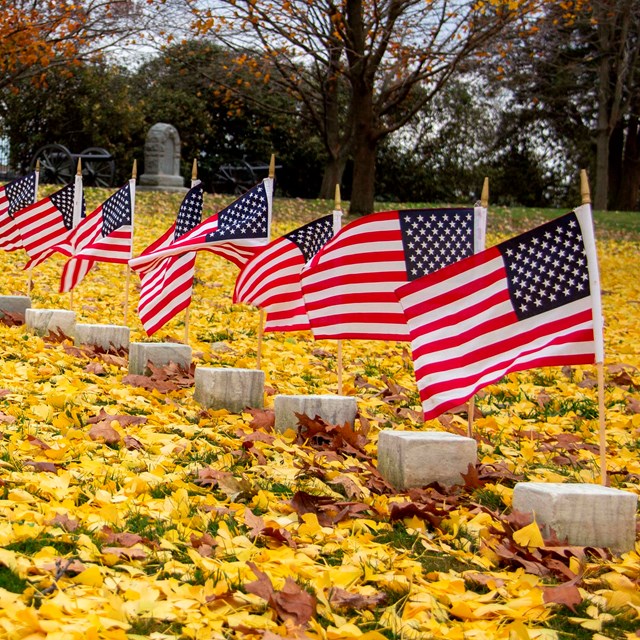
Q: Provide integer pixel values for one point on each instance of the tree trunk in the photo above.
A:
(616, 153)
(601, 198)
(364, 174)
(630, 182)
(364, 149)
(333, 170)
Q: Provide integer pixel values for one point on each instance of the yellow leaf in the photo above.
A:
(415, 523)
(42, 411)
(90, 577)
(518, 631)
(310, 525)
(529, 536)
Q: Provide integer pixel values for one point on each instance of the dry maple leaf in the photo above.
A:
(262, 418)
(632, 405)
(123, 420)
(121, 538)
(103, 431)
(11, 318)
(118, 361)
(204, 544)
(261, 587)
(149, 383)
(76, 352)
(428, 512)
(342, 599)
(36, 442)
(133, 444)
(125, 552)
(63, 521)
(42, 466)
(566, 594)
(472, 478)
(96, 368)
(294, 603)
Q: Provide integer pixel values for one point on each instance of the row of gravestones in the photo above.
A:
(581, 514)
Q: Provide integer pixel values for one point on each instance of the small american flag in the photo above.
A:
(236, 233)
(348, 287)
(166, 287)
(106, 235)
(531, 301)
(15, 195)
(47, 222)
(271, 280)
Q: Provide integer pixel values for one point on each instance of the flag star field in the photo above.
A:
(312, 237)
(116, 211)
(434, 238)
(63, 201)
(21, 193)
(247, 217)
(546, 267)
(190, 214)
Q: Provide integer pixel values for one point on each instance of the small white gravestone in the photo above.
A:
(409, 459)
(332, 409)
(588, 515)
(162, 160)
(157, 353)
(14, 304)
(230, 389)
(105, 336)
(43, 321)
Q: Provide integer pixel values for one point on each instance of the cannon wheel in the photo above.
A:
(56, 164)
(98, 167)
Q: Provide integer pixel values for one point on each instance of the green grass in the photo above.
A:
(622, 625)
(31, 546)
(144, 627)
(11, 581)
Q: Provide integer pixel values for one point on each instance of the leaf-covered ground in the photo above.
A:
(128, 511)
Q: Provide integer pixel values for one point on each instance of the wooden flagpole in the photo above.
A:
(127, 277)
(76, 219)
(339, 363)
(484, 203)
(585, 194)
(187, 314)
(272, 174)
(30, 270)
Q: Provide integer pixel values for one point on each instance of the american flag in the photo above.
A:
(14, 196)
(106, 235)
(166, 287)
(348, 287)
(236, 233)
(271, 280)
(531, 301)
(48, 222)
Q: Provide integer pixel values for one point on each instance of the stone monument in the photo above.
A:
(162, 160)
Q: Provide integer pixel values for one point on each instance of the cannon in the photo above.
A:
(239, 176)
(58, 165)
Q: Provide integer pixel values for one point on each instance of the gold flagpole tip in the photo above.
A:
(134, 171)
(484, 197)
(338, 199)
(194, 170)
(272, 166)
(38, 165)
(79, 167)
(585, 193)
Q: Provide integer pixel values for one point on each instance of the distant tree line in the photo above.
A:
(527, 106)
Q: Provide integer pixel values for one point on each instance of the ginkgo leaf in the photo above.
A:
(529, 536)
